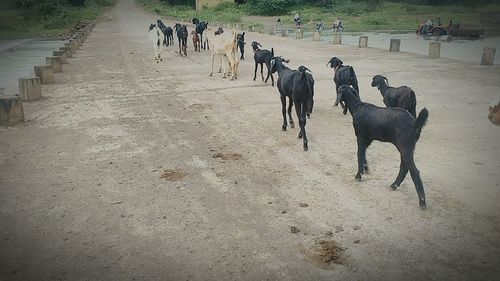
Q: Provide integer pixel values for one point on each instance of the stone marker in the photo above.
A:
(434, 50)
(71, 48)
(299, 34)
(316, 35)
(45, 73)
(363, 41)
(395, 43)
(62, 55)
(11, 110)
(30, 88)
(55, 62)
(284, 32)
(337, 38)
(488, 56)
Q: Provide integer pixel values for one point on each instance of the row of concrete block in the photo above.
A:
(487, 58)
(30, 88)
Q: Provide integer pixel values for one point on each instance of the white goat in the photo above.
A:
(224, 47)
(156, 37)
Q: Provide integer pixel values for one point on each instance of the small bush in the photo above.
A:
(375, 19)
(268, 7)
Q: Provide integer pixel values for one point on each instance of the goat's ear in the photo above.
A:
(243, 33)
(272, 52)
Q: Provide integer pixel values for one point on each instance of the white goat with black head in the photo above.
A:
(156, 36)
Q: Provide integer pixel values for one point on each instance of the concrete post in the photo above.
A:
(45, 73)
(434, 50)
(395, 43)
(488, 56)
(62, 55)
(30, 88)
(284, 32)
(337, 38)
(363, 41)
(316, 35)
(11, 111)
(55, 62)
(299, 34)
(67, 52)
(69, 46)
(73, 41)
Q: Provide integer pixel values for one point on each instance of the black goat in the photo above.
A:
(390, 124)
(195, 21)
(344, 75)
(255, 46)
(262, 57)
(241, 44)
(402, 97)
(163, 29)
(200, 28)
(298, 86)
(182, 35)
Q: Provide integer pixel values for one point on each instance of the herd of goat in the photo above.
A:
(397, 123)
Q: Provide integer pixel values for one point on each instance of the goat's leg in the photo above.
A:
(270, 74)
(361, 156)
(301, 115)
(290, 105)
(220, 66)
(255, 72)
(213, 58)
(415, 176)
(402, 174)
(262, 72)
(283, 111)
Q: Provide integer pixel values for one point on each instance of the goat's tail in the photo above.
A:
(421, 120)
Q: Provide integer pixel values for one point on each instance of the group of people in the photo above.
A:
(337, 25)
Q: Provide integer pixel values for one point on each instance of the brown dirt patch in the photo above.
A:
(227, 156)
(324, 252)
(173, 175)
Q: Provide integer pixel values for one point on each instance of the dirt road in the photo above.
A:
(132, 170)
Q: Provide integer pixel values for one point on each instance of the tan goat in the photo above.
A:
(224, 47)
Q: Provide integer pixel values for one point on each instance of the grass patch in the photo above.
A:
(18, 22)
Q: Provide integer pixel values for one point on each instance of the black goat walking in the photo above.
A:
(182, 35)
(390, 124)
(344, 75)
(200, 28)
(298, 86)
(241, 44)
(402, 97)
(262, 57)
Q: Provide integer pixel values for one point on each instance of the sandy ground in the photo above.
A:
(132, 170)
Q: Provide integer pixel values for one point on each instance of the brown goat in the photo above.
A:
(196, 41)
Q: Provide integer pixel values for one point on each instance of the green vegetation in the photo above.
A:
(357, 15)
(27, 18)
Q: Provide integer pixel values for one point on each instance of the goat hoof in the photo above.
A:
(306, 147)
(422, 204)
(300, 135)
(394, 186)
(283, 128)
(357, 177)
(292, 125)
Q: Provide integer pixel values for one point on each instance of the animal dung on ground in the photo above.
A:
(294, 229)
(303, 205)
(324, 252)
(227, 156)
(173, 175)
